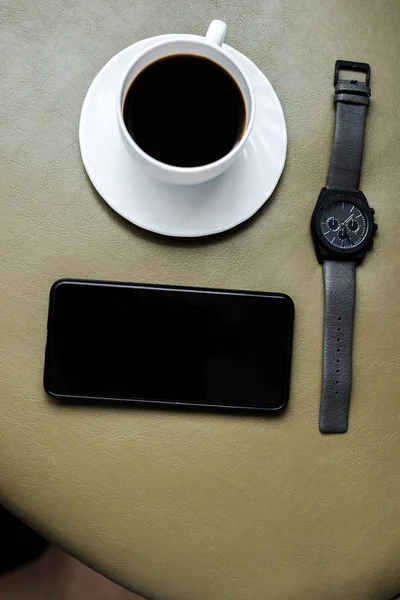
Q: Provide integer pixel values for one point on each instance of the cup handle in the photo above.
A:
(216, 32)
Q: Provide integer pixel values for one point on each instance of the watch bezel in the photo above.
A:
(325, 251)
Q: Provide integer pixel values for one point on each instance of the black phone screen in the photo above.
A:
(169, 345)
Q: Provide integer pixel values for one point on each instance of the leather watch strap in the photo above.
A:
(352, 101)
(340, 291)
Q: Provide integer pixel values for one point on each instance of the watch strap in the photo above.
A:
(340, 291)
(351, 101)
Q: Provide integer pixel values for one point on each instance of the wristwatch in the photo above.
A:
(342, 227)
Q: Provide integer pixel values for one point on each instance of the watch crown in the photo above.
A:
(375, 226)
(372, 211)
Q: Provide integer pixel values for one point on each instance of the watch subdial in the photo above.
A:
(333, 224)
(353, 225)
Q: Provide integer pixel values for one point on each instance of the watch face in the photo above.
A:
(344, 225)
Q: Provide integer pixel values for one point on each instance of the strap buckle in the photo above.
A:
(350, 65)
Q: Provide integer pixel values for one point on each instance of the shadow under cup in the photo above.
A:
(185, 109)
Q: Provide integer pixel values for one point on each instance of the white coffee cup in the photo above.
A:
(209, 47)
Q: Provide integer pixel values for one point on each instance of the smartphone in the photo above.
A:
(169, 345)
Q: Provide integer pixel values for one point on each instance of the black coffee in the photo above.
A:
(185, 110)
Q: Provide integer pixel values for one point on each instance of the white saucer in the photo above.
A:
(181, 211)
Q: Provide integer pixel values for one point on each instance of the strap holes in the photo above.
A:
(337, 349)
(339, 318)
(338, 339)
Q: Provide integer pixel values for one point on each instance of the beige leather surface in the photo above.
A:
(182, 506)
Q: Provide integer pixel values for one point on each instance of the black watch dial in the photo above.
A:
(344, 225)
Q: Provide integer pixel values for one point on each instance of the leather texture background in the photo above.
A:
(184, 506)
